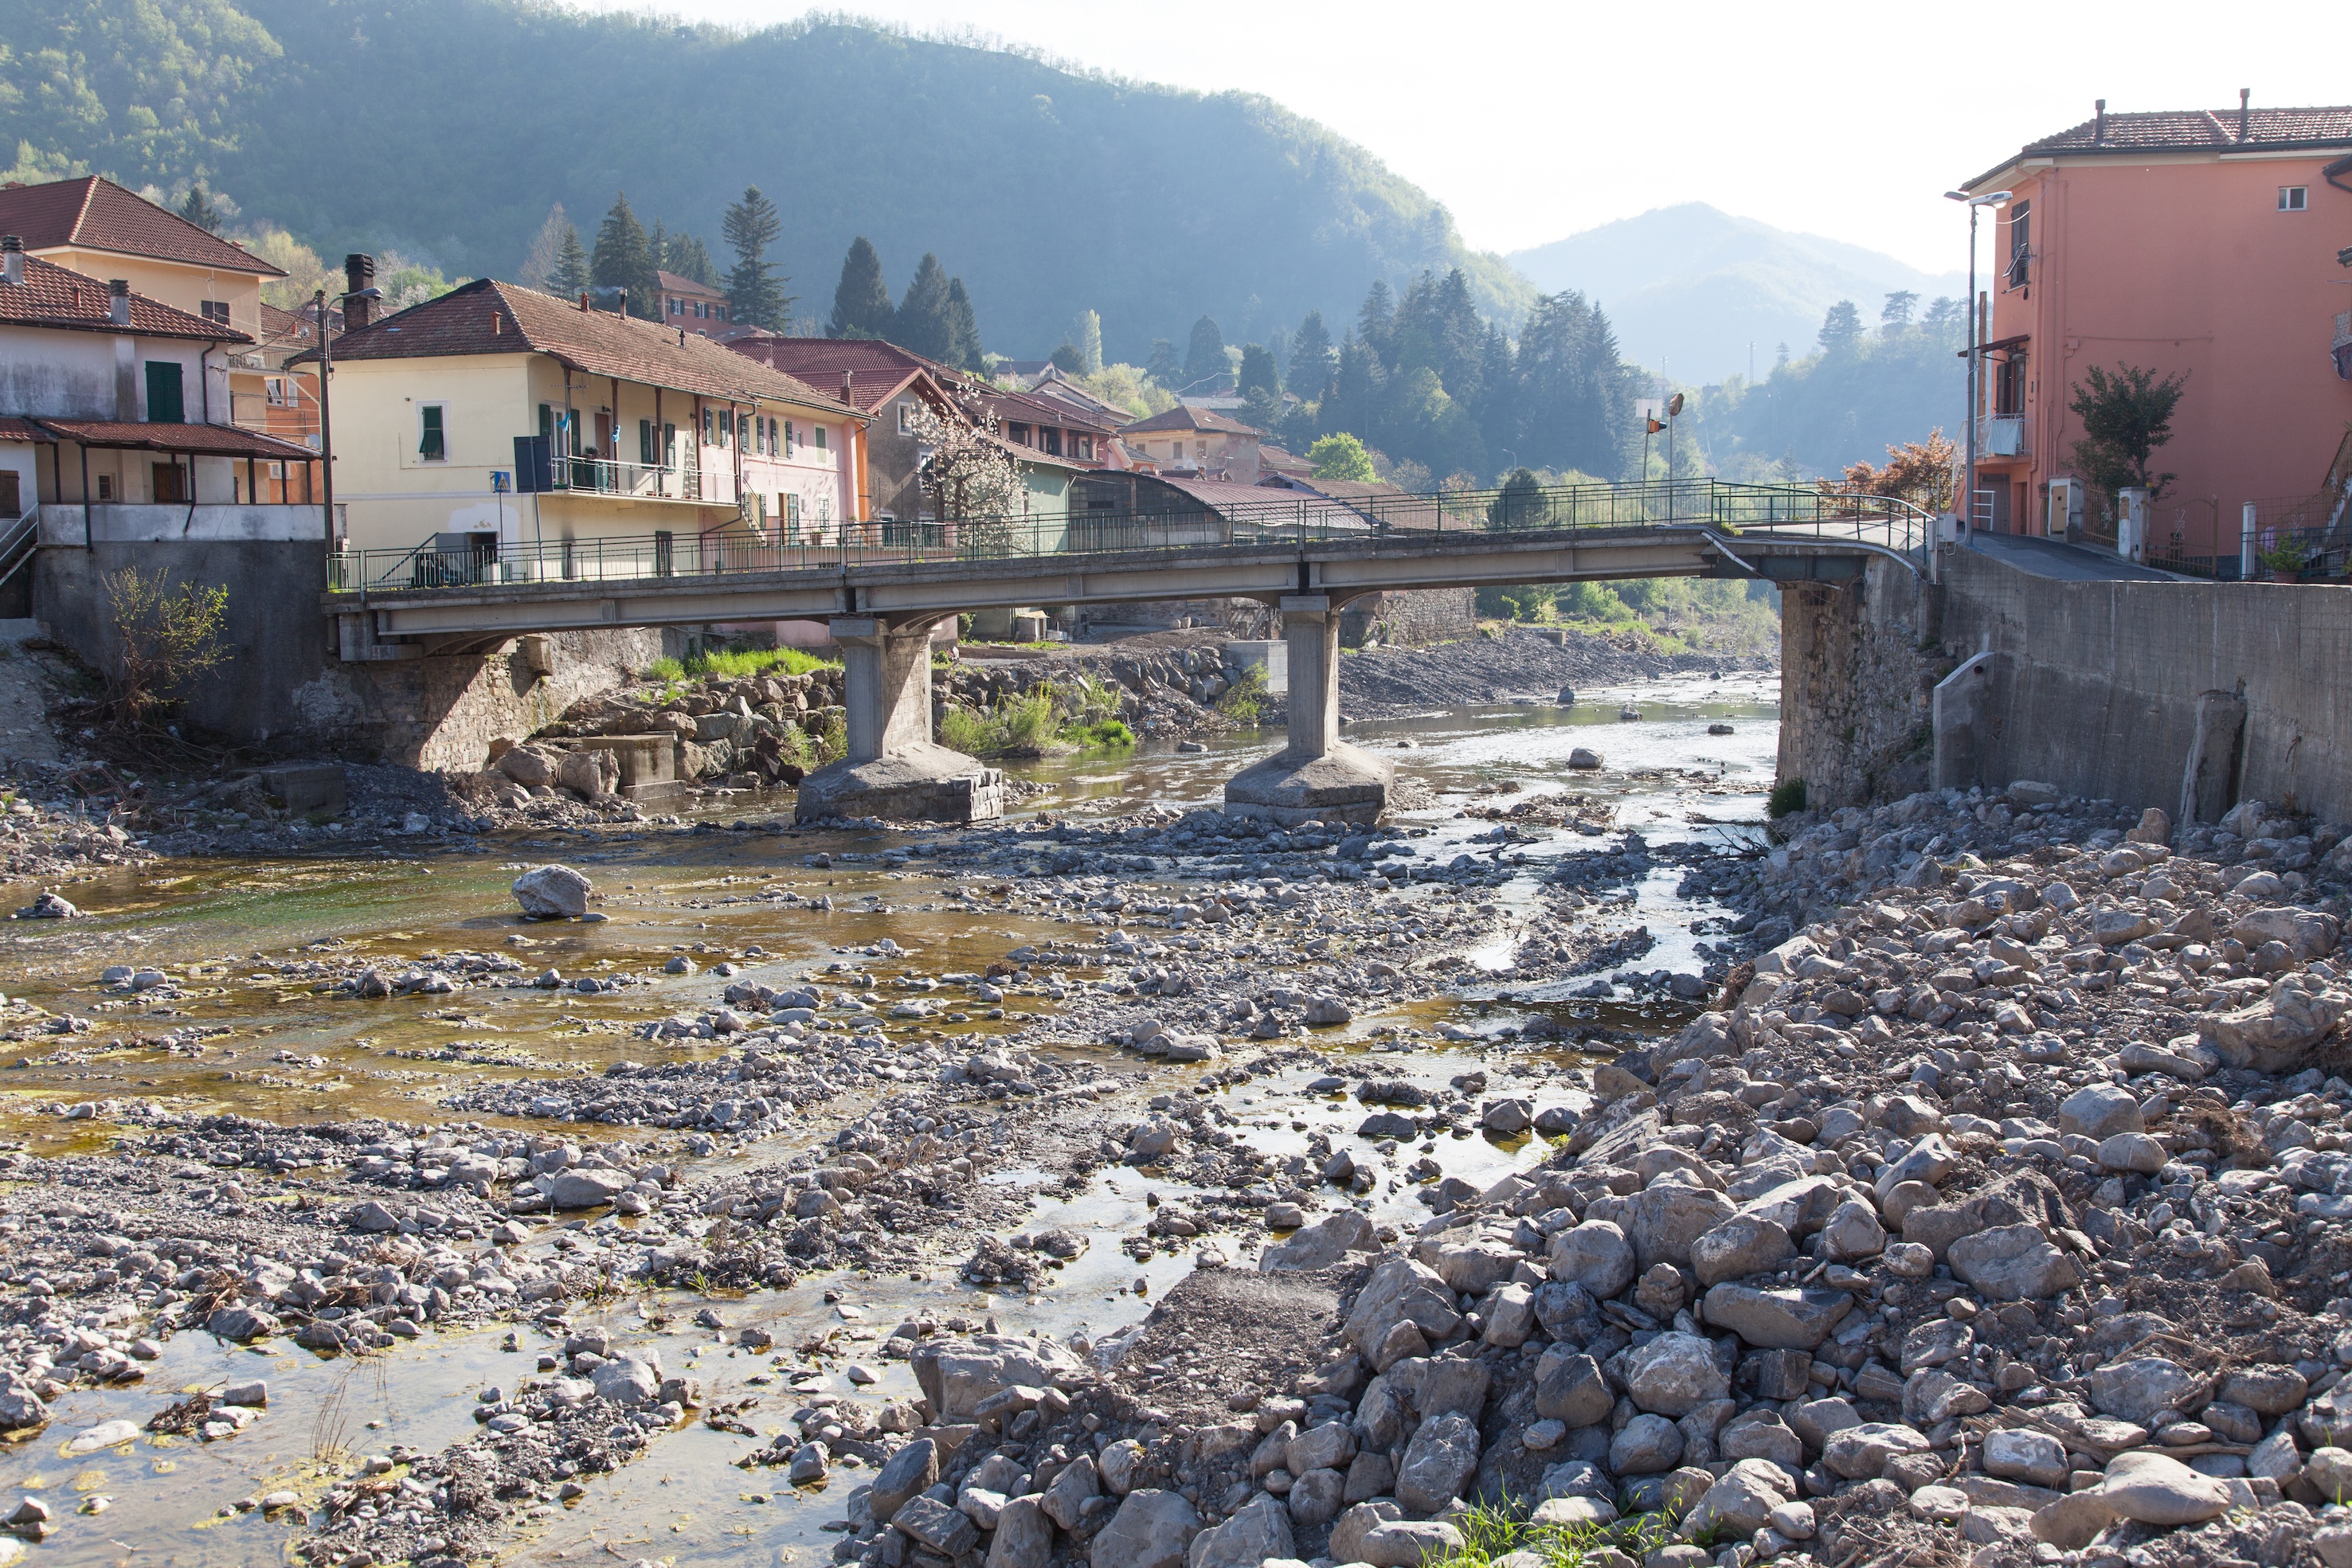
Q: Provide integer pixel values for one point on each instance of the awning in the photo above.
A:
(1999, 344)
(191, 440)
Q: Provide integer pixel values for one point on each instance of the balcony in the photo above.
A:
(639, 481)
(2001, 436)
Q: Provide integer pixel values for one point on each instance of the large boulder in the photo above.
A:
(2143, 1390)
(1569, 1389)
(1259, 1529)
(1674, 1375)
(1401, 1291)
(1744, 1244)
(1438, 1463)
(1594, 1255)
(2100, 1110)
(2307, 933)
(1740, 1502)
(584, 1188)
(1319, 1245)
(2276, 1033)
(1777, 1320)
(1860, 1452)
(553, 893)
(1662, 1221)
(2155, 1488)
(1152, 1529)
(2013, 1263)
(632, 1381)
(958, 1376)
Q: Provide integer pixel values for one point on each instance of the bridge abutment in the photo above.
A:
(893, 768)
(1316, 776)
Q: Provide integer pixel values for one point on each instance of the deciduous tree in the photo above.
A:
(2125, 417)
(1341, 456)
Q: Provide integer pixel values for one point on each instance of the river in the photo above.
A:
(235, 1026)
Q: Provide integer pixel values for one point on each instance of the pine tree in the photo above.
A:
(861, 302)
(689, 258)
(1312, 361)
(1163, 367)
(755, 294)
(571, 275)
(1204, 357)
(624, 258)
(1842, 327)
(538, 270)
(1257, 372)
(922, 323)
(200, 210)
(965, 352)
(1375, 322)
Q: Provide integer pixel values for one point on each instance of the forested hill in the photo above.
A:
(445, 129)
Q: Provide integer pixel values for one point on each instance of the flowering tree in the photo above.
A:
(1924, 473)
(968, 476)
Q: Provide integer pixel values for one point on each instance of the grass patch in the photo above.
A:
(1490, 1532)
(1079, 715)
(1104, 735)
(738, 663)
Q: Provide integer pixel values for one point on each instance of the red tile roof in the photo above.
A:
(1185, 417)
(487, 317)
(671, 283)
(1031, 409)
(25, 430)
(2192, 131)
(59, 297)
(204, 440)
(96, 213)
(879, 371)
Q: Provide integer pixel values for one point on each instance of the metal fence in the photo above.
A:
(1286, 518)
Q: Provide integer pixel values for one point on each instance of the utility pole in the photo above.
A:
(1976, 350)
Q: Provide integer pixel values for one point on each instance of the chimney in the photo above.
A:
(2098, 122)
(359, 274)
(118, 300)
(2245, 95)
(12, 259)
(584, 301)
(849, 397)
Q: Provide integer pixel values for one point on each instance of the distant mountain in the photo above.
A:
(446, 128)
(1690, 288)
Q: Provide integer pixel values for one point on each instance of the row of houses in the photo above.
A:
(149, 393)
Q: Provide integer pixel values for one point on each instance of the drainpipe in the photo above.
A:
(88, 544)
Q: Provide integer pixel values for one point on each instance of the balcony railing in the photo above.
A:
(639, 481)
(2001, 436)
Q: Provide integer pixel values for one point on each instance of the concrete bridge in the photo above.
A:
(883, 588)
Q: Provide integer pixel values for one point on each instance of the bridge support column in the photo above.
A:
(893, 768)
(1316, 776)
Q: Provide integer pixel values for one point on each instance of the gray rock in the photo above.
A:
(1121, 1465)
(1327, 1241)
(374, 1218)
(633, 1382)
(1745, 1244)
(1646, 1446)
(2100, 1110)
(1401, 1291)
(241, 1325)
(2140, 1390)
(1761, 1435)
(2134, 1151)
(1799, 1207)
(1674, 1375)
(1317, 1496)
(1325, 1447)
(553, 893)
(1816, 1420)
(2019, 1454)
(589, 1188)
(1407, 1544)
(809, 1466)
(957, 1377)
(1569, 1389)
(21, 1410)
(1741, 1502)
(1595, 1255)
(1511, 1314)
(2072, 1521)
(929, 1523)
(911, 1471)
(1509, 1118)
(1438, 1463)
(1260, 1529)
(1854, 1233)
(2267, 1390)
(1024, 1536)
(1662, 1221)
(2013, 1263)
(1152, 1529)
(2157, 1489)
(1077, 1484)
(1777, 1320)
(1860, 1452)
(2276, 1457)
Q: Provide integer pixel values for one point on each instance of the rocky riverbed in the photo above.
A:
(1122, 1185)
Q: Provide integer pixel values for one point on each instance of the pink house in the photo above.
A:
(2214, 243)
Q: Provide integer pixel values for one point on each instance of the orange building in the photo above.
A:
(2214, 244)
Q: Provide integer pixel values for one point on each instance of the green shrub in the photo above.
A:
(1245, 700)
(1786, 797)
(833, 744)
(1103, 735)
(663, 670)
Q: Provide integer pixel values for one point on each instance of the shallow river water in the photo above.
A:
(236, 1034)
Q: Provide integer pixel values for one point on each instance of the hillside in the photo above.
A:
(1689, 287)
(446, 128)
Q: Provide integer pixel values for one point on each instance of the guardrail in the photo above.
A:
(1286, 518)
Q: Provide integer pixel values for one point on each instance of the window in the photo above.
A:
(105, 486)
(1050, 439)
(669, 444)
(818, 430)
(273, 391)
(792, 515)
(905, 419)
(791, 438)
(1017, 434)
(432, 432)
(214, 311)
(165, 402)
(11, 504)
(169, 483)
(707, 429)
(2293, 198)
(645, 442)
(2020, 242)
(547, 425)
(678, 307)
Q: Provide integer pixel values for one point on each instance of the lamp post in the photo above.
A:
(326, 433)
(1976, 349)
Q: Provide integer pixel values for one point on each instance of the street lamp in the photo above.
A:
(1976, 349)
(326, 435)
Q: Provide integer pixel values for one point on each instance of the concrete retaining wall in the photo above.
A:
(283, 686)
(2099, 686)
(1856, 667)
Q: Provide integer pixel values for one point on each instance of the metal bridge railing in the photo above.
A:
(1287, 518)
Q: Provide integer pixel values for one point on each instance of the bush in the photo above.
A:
(1104, 735)
(1786, 797)
(1245, 700)
(166, 642)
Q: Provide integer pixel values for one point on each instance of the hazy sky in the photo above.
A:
(1533, 121)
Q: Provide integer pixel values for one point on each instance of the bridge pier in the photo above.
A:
(1316, 776)
(893, 768)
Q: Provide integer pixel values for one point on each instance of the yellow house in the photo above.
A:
(498, 433)
(97, 228)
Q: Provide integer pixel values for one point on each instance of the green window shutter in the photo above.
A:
(166, 402)
(433, 443)
(645, 442)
